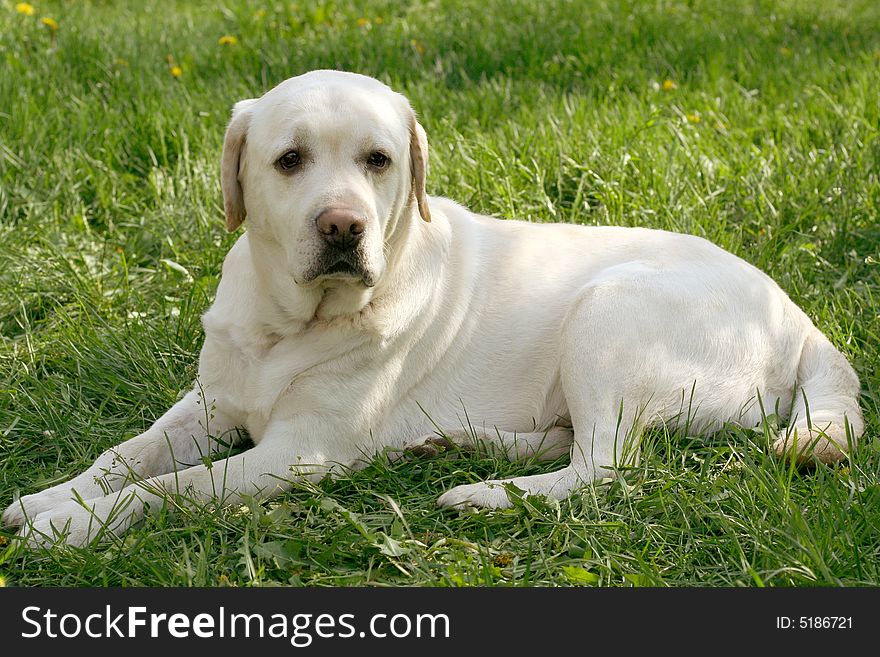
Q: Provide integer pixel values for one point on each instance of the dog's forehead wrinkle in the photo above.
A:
(331, 114)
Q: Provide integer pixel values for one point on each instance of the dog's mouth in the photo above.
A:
(341, 266)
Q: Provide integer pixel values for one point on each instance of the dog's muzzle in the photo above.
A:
(342, 231)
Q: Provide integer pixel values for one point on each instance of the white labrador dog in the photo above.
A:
(358, 315)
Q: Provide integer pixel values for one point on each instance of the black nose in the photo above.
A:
(340, 227)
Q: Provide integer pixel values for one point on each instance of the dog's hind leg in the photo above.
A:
(605, 407)
(183, 436)
(591, 459)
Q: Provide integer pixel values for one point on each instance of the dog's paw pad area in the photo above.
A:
(806, 446)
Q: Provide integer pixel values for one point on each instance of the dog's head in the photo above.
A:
(325, 166)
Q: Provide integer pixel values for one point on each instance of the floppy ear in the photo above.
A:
(418, 160)
(233, 145)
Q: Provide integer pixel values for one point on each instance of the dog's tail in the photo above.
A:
(825, 418)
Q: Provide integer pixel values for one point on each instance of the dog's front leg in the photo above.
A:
(190, 430)
(262, 472)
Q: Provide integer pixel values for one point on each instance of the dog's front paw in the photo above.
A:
(14, 515)
(31, 506)
(486, 494)
(69, 523)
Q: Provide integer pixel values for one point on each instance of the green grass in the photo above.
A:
(767, 144)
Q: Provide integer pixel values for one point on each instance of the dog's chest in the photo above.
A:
(250, 377)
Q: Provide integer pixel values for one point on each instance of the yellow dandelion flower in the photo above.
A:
(693, 118)
(502, 560)
(227, 40)
(25, 8)
(176, 71)
(418, 47)
(362, 22)
(668, 85)
(51, 23)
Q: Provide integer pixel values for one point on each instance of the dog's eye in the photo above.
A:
(378, 160)
(288, 161)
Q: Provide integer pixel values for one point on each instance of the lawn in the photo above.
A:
(754, 124)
